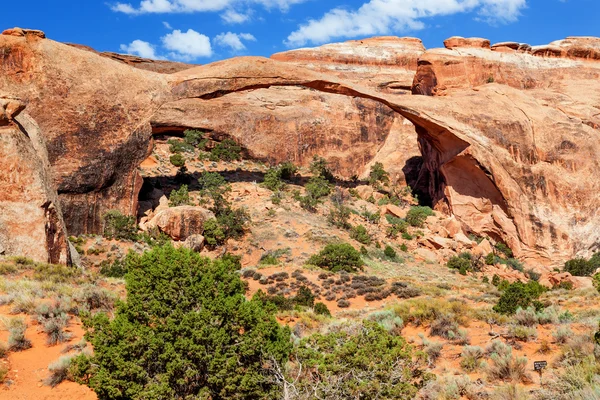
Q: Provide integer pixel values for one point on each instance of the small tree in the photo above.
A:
(177, 160)
(338, 257)
(417, 215)
(185, 331)
(227, 150)
(195, 138)
(320, 167)
(378, 175)
(360, 234)
(179, 197)
(119, 226)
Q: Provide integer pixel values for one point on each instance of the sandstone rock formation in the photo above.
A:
(31, 222)
(507, 134)
(181, 222)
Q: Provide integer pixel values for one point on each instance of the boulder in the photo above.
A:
(484, 248)
(181, 222)
(554, 279)
(24, 32)
(194, 242)
(461, 42)
(395, 211)
(452, 226)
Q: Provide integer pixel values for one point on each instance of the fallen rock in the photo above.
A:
(194, 242)
(464, 240)
(395, 211)
(461, 42)
(483, 248)
(181, 222)
(554, 279)
(24, 32)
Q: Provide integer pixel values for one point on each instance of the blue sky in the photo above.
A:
(202, 31)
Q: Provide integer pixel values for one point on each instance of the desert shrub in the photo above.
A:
(378, 175)
(320, 167)
(54, 329)
(343, 303)
(364, 361)
(390, 252)
(576, 350)
(444, 326)
(370, 217)
(177, 160)
(451, 388)
(519, 295)
(562, 334)
(339, 215)
(186, 330)
(397, 226)
(433, 350)
(321, 309)
(510, 391)
(580, 267)
(506, 367)
(515, 264)
(119, 226)
(388, 320)
(461, 263)
(272, 180)
(59, 371)
(318, 187)
(116, 269)
(227, 150)
(93, 298)
(490, 259)
(177, 146)
(179, 197)
(16, 335)
(194, 138)
(526, 317)
(504, 249)
(534, 276)
(522, 333)
(213, 234)
(360, 234)
(470, 358)
(304, 297)
(233, 221)
(417, 215)
(338, 257)
(495, 280)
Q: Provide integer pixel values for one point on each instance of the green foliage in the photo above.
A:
(583, 267)
(227, 150)
(116, 269)
(195, 138)
(464, 262)
(179, 197)
(397, 226)
(407, 236)
(417, 215)
(119, 226)
(519, 295)
(596, 281)
(213, 234)
(378, 175)
(185, 331)
(490, 259)
(371, 217)
(321, 309)
(365, 362)
(177, 160)
(495, 280)
(404, 247)
(274, 178)
(316, 188)
(360, 234)
(320, 167)
(177, 146)
(339, 215)
(338, 257)
(304, 297)
(504, 249)
(390, 252)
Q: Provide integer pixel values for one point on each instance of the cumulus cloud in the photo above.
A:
(233, 40)
(140, 48)
(231, 16)
(384, 16)
(188, 45)
(190, 6)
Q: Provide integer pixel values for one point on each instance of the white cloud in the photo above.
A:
(384, 16)
(233, 40)
(167, 25)
(231, 16)
(188, 45)
(190, 6)
(140, 48)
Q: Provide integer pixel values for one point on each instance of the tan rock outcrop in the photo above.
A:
(457, 42)
(181, 222)
(31, 222)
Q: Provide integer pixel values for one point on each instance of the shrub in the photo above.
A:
(177, 160)
(518, 295)
(433, 350)
(596, 281)
(490, 259)
(506, 367)
(186, 330)
(523, 333)
(16, 335)
(580, 267)
(360, 234)
(461, 263)
(470, 358)
(397, 226)
(304, 297)
(320, 167)
(59, 371)
(388, 320)
(179, 197)
(338, 216)
(364, 361)
(526, 317)
(194, 138)
(390, 252)
(403, 247)
(371, 217)
(227, 150)
(272, 180)
(213, 234)
(338, 257)
(92, 298)
(119, 226)
(343, 303)
(321, 309)
(318, 187)
(504, 249)
(54, 329)
(178, 146)
(417, 215)
(495, 280)
(562, 335)
(116, 269)
(444, 326)
(378, 175)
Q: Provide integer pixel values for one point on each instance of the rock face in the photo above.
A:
(31, 222)
(181, 222)
(507, 134)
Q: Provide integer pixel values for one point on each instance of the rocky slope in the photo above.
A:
(508, 133)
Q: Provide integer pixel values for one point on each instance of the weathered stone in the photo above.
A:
(194, 242)
(181, 222)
